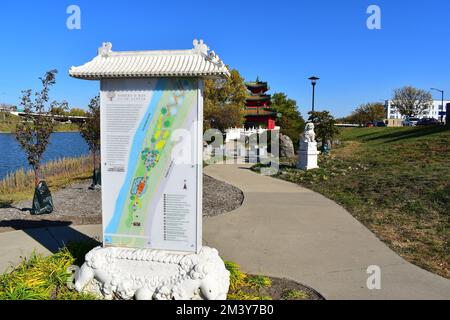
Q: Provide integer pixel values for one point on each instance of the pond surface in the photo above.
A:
(62, 145)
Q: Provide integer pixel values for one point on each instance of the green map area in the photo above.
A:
(148, 169)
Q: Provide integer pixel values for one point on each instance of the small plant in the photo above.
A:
(295, 294)
(245, 287)
(259, 282)
(237, 278)
(41, 278)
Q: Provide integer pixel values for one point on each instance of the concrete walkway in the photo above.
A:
(285, 230)
(281, 230)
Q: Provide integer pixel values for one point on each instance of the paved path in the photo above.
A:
(288, 231)
(281, 230)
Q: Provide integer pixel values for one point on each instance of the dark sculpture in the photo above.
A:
(42, 200)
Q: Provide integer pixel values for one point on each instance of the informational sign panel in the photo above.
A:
(151, 163)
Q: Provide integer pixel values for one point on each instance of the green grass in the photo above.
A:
(44, 278)
(396, 181)
(295, 295)
(9, 121)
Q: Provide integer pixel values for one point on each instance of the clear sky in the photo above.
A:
(282, 42)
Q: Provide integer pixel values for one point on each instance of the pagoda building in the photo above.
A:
(258, 112)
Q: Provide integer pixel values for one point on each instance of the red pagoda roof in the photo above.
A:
(262, 97)
(256, 85)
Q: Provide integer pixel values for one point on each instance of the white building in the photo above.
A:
(432, 112)
(238, 133)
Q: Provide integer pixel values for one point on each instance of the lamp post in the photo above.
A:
(313, 82)
(442, 93)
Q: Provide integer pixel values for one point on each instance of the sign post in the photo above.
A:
(152, 173)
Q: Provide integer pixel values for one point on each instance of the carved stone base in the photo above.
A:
(307, 156)
(145, 274)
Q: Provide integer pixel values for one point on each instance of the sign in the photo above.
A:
(442, 113)
(151, 173)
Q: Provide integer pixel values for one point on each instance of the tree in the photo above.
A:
(411, 101)
(90, 130)
(368, 112)
(77, 112)
(58, 111)
(291, 121)
(324, 126)
(224, 102)
(33, 132)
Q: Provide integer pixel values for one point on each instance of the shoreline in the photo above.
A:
(56, 131)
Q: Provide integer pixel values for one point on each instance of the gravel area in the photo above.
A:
(76, 204)
(220, 197)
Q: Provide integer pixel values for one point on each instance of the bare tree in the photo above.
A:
(33, 132)
(411, 101)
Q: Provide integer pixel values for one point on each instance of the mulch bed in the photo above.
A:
(280, 289)
(77, 205)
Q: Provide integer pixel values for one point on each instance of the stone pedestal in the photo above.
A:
(146, 274)
(307, 157)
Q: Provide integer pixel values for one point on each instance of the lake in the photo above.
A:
(62, 145)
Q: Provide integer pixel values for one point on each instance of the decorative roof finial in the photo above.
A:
(200, 47)
(105, 50)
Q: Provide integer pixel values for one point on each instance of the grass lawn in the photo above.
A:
(396, 181)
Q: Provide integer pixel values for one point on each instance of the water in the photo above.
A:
(62, 145)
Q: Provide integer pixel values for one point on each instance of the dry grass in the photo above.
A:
(396, 182)
(19, 185)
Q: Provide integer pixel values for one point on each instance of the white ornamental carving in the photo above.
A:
(146, 274)
(105, 50)
(200, 47)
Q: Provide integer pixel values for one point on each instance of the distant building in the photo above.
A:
(258, 112)
(7, 108)
(432, 112)
(259, 116)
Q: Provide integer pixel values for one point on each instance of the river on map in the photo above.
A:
(62, 145)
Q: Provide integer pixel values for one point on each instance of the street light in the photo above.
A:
(313, 82)
(441, 112)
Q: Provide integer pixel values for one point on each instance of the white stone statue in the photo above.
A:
(309, 135)
(308, 154)
(146, 274)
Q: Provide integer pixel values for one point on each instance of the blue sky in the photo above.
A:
(282, 42)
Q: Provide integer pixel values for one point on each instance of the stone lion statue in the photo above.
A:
(309, 135)
(152, 274)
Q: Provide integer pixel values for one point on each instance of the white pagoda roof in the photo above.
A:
(196, 62)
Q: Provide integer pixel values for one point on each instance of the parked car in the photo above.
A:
(380, 124)
(370, 125)
(410, 122)
(428, 122)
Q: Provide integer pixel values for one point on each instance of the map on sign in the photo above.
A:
(150, 198)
